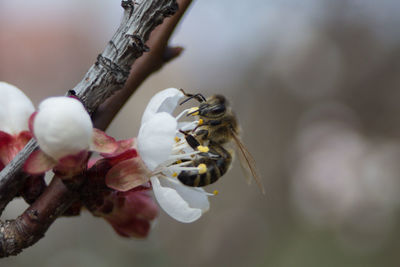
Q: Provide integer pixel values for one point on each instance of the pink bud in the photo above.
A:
(132, 213)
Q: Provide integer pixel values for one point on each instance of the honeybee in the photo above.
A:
(219, 127)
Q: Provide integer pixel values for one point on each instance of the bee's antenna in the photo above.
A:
(198, 97)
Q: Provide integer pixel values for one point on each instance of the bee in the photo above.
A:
(218, 128)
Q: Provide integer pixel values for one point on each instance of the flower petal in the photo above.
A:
(156, 139)
(183, 203)
(126, 175)
(15, 109)
(164, 101)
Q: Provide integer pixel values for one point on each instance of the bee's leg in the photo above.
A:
(191, 140)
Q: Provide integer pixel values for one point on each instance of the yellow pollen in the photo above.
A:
(203, 149)
(174, 174)
(215, 192)
(179, 161)
(177, 139)
(202, 168)
(201, 121)
(194, 110)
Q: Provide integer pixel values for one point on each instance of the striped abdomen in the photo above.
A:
(216, 167)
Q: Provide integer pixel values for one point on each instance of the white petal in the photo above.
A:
(164, 101)
(15, 109)
(156, 139)
(62, 127)
(183, 203)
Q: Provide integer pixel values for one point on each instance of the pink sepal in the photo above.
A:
(72, 164)
(103, 143)
(30, 122)
(38, 163)
(5, 138)
(10, 145)
(123, 146)
(6, 141)
(127, 174)
(132, 213)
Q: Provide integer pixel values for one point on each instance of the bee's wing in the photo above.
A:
(247, 162)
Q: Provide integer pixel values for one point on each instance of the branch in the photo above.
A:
(149, 63)
(12, 178)
(28, 228)
(33, 223)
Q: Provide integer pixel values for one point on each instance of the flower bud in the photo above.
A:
(62, 127)
(15, 109)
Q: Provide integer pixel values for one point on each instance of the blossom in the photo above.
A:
(15, 109)
(65, 134)
(161, 148)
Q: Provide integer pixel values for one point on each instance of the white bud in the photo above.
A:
(62, 127)
(15, 109)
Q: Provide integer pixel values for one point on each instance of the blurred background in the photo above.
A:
(315, 85)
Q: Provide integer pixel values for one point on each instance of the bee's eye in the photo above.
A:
(220, 109)
(214, 111)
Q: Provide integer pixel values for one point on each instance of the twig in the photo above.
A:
(28, 228)
(149, 63)
(33, 223)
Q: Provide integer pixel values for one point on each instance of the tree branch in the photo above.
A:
(103, 79)
(149, 63)
(28, 228)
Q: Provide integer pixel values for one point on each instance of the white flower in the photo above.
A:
(62, 127)
(159, 147)
(15, 109)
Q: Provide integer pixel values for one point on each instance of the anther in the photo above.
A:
(177, 139)
(202, 168)
(193, 111)
(201, 121)
(203, 149)
(215, 192)
(174, 174)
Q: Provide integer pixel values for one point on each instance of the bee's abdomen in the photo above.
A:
(216, 167)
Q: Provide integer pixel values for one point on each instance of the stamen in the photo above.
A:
(202, 168)
(215, 192)
(183, 155)
(181, 164)
(201, 121)
(182, 113)
(174, 174)
(179, 169)
(177, 139)
(203, 149)
(179, 147)
(193, 111)
(189, 126)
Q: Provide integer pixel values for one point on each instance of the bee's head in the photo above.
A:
(214, 107)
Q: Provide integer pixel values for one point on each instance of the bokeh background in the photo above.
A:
(315, 85)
